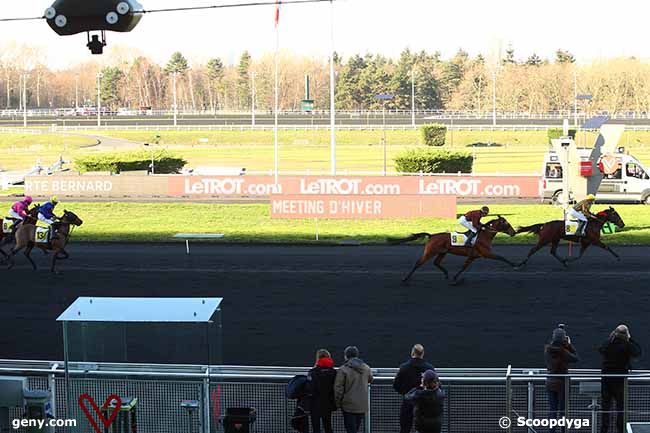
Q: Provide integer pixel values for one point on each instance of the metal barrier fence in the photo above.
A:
(476, 399)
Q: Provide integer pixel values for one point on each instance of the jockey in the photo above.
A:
(472, 222)
(581, 212)
(18, 211)
(46, 211)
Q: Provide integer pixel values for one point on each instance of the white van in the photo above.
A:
(628, 183)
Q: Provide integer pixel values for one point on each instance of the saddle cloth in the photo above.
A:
(459, 239)
(7, 225)
(570, 226)
(42, 235)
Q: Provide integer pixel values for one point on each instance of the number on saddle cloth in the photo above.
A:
(7, 226)
(42, 235)
(460, 239)
(571, 226)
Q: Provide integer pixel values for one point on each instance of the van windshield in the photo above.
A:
(636, 171)
(553, 170)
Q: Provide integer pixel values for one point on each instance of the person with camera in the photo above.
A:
(617, 352)
(428, 402)
(558, 354)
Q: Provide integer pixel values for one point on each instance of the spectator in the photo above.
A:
(351, 389)
(408, 377)
(617, 352)
(558, 355)
(322, 377)
(428, 402)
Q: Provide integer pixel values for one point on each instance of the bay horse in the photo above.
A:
(32, 217)
(26, 234)
(440, 245)
(553, 232)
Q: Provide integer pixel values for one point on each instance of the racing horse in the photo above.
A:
(553, 231)
(8, 238)
(440, 245)
(26, 235)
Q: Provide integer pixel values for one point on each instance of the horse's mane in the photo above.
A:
(492, 221)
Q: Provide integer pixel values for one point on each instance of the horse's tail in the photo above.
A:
(535, 228)
(413, 237)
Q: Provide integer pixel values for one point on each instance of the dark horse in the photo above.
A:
(9, 237)
(553, 231)
(439, 245)
(26, 235)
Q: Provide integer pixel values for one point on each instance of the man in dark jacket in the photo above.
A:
(408, 377)
(428, 402)
(617, 352)
(558, 355)
(323, 404)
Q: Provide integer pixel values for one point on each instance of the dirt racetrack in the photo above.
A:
(281, 303)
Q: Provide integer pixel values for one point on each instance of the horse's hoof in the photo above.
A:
(456, 282)
(404, 282)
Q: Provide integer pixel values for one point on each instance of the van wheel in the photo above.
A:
(647, 200)
(555, 199)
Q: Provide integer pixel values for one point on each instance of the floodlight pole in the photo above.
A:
(575, 99)
(175, 108)
(332, 91)
(276, 156)
(494, 98)
(253, 99)
(76, 91)
(413, 97)
(25, 100)
(99, 100)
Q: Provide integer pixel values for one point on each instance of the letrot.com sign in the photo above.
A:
(362, 206)
(461, 186)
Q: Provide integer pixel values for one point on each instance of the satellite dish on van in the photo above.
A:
(69, 17)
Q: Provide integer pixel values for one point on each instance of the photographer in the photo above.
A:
(428, 402)
(558, 354)
(618, 352)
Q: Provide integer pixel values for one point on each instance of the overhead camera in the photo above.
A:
(95, 45)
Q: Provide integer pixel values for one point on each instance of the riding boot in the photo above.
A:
(580, 230)
(470, 236)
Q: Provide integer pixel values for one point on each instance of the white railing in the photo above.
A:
(442, 114)
(242, 128)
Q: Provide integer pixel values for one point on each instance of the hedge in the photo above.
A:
(164, 162)
(434, 134)
(434, 161)
(554, 133)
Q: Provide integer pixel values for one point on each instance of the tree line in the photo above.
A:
(531, 84)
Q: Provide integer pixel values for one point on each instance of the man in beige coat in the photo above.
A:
(351, 389)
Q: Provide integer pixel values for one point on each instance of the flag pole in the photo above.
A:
(275, 109)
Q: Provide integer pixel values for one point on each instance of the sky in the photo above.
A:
(590, 29)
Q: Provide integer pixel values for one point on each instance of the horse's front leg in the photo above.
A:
(65, 255)
(53, 262)
(466, 266)
(583, 247)
(599, 243)
(492, 256)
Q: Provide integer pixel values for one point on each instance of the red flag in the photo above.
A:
(277, 13)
